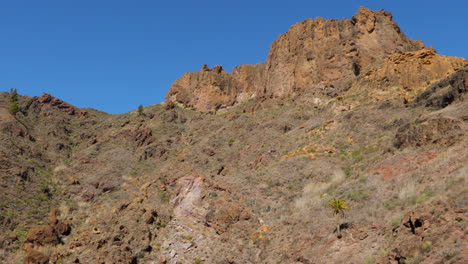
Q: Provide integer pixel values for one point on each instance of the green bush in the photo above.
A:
(140, 110)
(13, 108)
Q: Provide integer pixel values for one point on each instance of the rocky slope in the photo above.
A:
(385, 129)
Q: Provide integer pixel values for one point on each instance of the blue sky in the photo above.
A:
(115, 55)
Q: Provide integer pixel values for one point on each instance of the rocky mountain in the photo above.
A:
(321, 56)
(241, 167)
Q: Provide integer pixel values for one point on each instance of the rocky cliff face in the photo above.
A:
(323, 57)
(323, 53)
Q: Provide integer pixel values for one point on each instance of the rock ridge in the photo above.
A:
(320, 56)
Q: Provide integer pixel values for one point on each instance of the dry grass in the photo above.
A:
(314, 194)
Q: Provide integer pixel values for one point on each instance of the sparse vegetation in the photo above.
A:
(391, 204)
(426, 194)
(415, 259)
(357, 194)
(188, 237)
(21, 232)
(164, 196)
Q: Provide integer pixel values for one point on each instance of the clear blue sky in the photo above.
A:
(114, 55)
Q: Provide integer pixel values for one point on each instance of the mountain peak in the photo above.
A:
(322, 56)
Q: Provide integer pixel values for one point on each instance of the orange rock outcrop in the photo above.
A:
(321, 56)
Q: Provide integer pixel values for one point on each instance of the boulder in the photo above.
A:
(42, 235)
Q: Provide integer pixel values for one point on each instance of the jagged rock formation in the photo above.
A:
(47, 99)
(208, 89)
(323, 57)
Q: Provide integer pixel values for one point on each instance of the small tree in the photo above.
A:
(338, 206)
(140, 110)
(14, 108)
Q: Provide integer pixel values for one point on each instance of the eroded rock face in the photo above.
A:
(323, 57)
(411, 71)
(188, 203)
(211, 89)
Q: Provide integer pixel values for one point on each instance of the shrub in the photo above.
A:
(338, 206)
(21, 232)
(14, 108)
(140, 110)
(416, 259)
(427, 245)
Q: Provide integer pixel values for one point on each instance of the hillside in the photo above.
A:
(240, 167)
